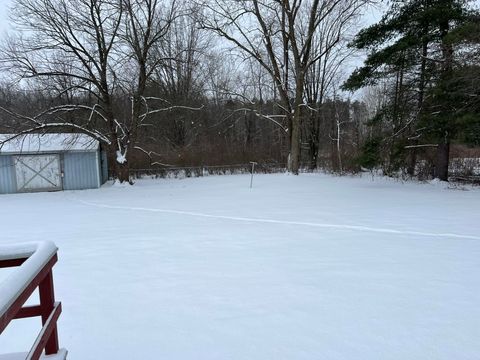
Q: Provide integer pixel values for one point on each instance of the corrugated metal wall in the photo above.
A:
(104, 166)
(7, 175)
(81, 170)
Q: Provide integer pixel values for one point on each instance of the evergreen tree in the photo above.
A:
(416, 46)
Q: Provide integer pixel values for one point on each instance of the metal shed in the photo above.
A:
(50, 162)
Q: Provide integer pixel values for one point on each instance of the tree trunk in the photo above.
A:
(313, 151)
(339, 153)
(296, 121)
(122, 172)
(294, 163)
(412, 162)
(443, 149)
(313, 141)
(441, 163)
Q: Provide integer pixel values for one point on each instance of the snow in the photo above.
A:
(303, 267)
(12, 286)
(468, 166)
(32, 143)
(117, 183)
(61, 355)
(121, 159)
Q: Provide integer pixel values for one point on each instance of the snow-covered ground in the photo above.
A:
(308, 267)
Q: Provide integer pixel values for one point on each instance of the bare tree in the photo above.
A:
(99, 56)
(279, 35)
(330, 41)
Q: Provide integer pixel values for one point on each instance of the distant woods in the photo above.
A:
(166, 83)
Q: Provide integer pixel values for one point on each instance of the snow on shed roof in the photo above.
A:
(32, 143)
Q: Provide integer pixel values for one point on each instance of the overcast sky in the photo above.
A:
(5, 26)
(4, 4)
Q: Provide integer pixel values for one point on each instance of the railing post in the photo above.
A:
(47, 303)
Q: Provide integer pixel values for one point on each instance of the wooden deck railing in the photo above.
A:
(35, 263)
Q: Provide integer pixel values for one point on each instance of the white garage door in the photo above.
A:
(38, 172)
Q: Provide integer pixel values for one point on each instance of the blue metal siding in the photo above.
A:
(104, 166)
(7, 175)
(81, 170)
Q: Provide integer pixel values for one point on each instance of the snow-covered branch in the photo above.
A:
(267, 117)
(38, 126)
(170, 108)
(150, 154)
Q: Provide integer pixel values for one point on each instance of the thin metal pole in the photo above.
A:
(253, 170)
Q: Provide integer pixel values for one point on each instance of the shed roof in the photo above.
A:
(33, 143)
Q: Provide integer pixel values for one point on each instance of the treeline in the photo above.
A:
(166, 83)
(222, 133)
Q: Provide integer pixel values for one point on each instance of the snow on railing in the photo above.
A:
(34, 262)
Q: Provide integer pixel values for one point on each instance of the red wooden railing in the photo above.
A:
(39, 276)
